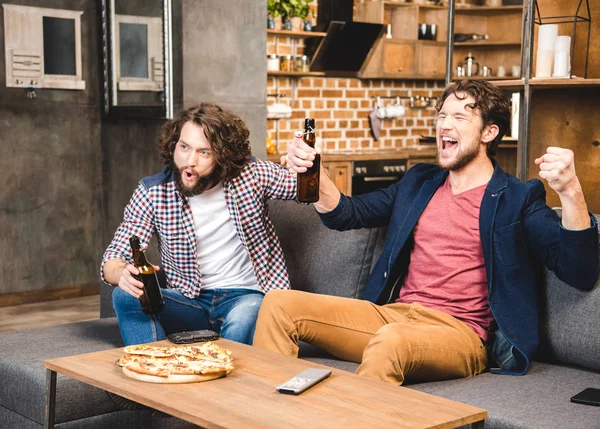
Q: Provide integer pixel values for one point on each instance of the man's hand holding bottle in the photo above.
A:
(300, 157)
(129, 283)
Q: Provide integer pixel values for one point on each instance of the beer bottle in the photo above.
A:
(308, 182)
(151, 300)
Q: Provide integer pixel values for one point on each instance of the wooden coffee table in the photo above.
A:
(247, 398)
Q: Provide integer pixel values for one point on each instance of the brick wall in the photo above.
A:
(341, 107)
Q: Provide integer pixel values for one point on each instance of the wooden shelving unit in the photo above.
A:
(294, 74)
(564, 83)
(563, 112)
(297, 34)
(503, 25)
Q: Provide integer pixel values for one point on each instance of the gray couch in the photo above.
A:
(330, 262)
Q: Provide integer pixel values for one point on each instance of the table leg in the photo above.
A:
(50, 399)
(478, 425)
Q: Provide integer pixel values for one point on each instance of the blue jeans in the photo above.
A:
(231, 312)
(502, 352)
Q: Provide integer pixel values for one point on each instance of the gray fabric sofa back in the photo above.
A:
(570, 330)
(321, 260)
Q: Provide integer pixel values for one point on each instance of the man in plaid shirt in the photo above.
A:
(218, 248)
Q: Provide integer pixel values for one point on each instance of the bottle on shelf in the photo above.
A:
(152, 300)
(308, 182)
(469, 37)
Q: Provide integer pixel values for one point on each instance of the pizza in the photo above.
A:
(176, 364)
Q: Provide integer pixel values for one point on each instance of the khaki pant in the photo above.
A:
(392, 342)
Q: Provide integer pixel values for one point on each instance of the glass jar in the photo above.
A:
(272, 62)
(301, 64)
(285, 63)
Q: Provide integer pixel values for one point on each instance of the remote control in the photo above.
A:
(303, 381)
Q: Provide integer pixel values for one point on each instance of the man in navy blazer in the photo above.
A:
(459, 273)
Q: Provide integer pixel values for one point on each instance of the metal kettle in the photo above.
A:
(470, 66)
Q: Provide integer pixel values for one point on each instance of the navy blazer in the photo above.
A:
(518, 232)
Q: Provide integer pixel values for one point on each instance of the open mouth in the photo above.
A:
(188, 176)
(448, 143)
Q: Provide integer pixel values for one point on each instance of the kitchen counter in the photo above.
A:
(342, 166)
(421, 152)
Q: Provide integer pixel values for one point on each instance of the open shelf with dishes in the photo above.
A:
(490, 42)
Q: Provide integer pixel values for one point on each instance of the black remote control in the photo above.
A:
(303, 381)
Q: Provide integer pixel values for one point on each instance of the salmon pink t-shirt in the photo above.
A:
(446, 270)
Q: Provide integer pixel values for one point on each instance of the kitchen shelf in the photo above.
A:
(486, 44)
(488, 10)
(509, 83)
(295, 74)
(563, 83)
(299, 34)
(421, 6)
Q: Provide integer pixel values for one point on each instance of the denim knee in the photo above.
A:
(121, 300)
(240, 322)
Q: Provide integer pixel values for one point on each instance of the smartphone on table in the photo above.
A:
(187, 337)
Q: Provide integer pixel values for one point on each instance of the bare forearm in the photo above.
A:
(329, 194)
(113, 269)
(575, 214)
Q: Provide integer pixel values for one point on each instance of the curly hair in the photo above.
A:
(491, 102)
(226, 132)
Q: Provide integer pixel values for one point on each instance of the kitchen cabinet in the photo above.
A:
(340, 173)
(403, 55)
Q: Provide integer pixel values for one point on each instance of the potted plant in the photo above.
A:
(273, 14)
(296, 10)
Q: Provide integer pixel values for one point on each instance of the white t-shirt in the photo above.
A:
(223, 260)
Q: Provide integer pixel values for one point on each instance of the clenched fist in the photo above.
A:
(557, 167)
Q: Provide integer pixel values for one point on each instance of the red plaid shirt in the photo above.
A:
(156, 207)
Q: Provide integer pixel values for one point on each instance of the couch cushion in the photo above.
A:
(538, 400)
(321, 260)
(23, 375)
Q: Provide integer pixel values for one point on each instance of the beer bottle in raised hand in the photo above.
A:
(151, 300)
(308, 182)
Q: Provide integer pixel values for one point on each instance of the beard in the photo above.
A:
(201, 185)
(461, 160)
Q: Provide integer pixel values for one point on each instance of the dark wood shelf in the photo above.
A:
(296, 33)
(563, 82)
(487, 10)
(421, 6)
(487, 44)
(294, 74)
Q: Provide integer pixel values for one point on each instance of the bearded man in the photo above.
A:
(459, 269)
(217, 246)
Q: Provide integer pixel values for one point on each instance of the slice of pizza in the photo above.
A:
(128, 359)
(143, 349)
(210, 351)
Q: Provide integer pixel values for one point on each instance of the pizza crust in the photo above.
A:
(173, 378)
